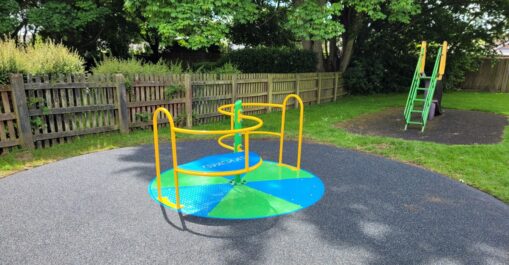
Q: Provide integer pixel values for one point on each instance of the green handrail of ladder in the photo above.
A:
(415, 84)
(414, 87)
(431, 90)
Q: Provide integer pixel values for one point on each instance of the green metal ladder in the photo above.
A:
(421, 105)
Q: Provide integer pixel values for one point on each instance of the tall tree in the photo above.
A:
(312, 22)
(85, 25)
(193, 24)
(146, 32)
(8, 17)
(201, 23)
(316, 21)
(268, 29)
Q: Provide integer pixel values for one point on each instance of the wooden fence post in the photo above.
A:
(21, 110)
(270, 88)
(189, 100)
(335, 85)
(297, 89)
(504, 82)
(123, 113)
(318, 94)
(234, 88)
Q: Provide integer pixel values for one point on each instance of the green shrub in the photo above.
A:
(172, 89)
(10, 60)
(204, 67)
(365, 77)
(42, 58)
(227, 68)
(271, 60)
(129, 67)
(176, 67)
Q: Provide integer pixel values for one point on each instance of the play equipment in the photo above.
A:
(428, 104)
(238, 185)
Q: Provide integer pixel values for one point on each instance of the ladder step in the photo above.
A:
(426, 77)
(422, 88)
(417, 111)
(420, 99)
(415, 122)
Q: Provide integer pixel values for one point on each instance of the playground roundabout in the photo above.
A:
(95, 209)
(267, 202)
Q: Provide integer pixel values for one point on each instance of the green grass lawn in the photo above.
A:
(485, 167)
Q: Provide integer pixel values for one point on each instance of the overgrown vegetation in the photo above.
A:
(129, 67)
(481, 166)
(271, 60)
(45, 57)
(172, 89)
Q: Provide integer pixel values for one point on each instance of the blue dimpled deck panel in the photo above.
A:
(222, 162)
(301, 191)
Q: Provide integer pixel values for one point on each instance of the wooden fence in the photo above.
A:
(40, 111)
(493, 76)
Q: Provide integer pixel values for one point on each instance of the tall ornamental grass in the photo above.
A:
(45, 57)
(131, 67)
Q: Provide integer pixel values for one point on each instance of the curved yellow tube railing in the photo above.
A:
(225, 134)
(164, 200)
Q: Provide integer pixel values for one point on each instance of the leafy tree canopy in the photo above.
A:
(194, 24)
(8, 19)
(268, 29)
(322, 20)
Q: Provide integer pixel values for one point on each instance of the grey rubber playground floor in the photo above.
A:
(95, 209)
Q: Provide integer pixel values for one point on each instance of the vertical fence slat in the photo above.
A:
(319, 89)
(234, 88)
(189, 100)
(270, 89)
(21, 109)
(123, 115)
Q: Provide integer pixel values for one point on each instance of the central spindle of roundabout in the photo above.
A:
(238, 184)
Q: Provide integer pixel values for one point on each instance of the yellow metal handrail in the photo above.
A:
(443, 59)
(226, 133)
(423, 59)
(301, 122)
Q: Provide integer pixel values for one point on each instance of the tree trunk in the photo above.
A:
(155, 55)
(353, 28)
(318, 50)
(307, 45)
(154, 42)
(333, 59)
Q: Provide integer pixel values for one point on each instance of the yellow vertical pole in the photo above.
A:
(232, 121)
(282, 136)
(441, 70)
(301, 123)
(156, 151)
(175, 163)
(246, 150)
(423, 59)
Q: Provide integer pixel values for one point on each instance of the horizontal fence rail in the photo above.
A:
(40, 111)
(492, 76)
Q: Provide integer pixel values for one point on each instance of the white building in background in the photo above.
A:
(503, 49)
